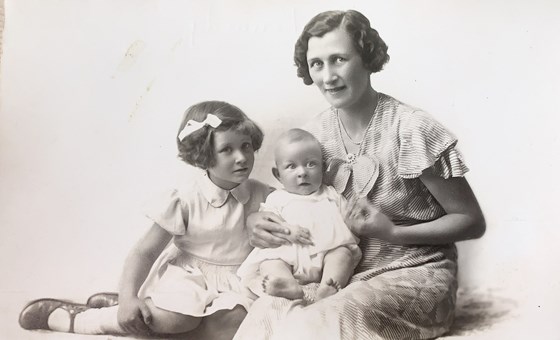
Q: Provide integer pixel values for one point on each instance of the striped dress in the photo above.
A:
(397, 291)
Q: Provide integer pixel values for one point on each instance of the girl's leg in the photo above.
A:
(167, 322)
(104, 321)
(337, 270)
(221, 325)
(278, 280)
(66, 316)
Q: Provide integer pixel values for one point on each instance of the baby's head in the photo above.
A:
(218, 137)
(299, 162)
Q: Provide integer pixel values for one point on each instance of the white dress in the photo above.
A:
(196, 273)
(322, 213)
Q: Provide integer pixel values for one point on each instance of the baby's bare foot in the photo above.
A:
(282, 287)
(314, 275)
(330, 287)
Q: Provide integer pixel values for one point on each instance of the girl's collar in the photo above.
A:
(217, 196)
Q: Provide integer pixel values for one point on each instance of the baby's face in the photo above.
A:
(300, 166)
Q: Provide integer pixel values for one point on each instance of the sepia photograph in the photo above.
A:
(270, 170)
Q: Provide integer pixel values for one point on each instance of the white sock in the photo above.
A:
(98, 321)
(59, 320)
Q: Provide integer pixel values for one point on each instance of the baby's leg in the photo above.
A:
(279, 281)
(337, 270)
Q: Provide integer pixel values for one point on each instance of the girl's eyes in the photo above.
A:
(227, 149)
(339, 59)
(247, 146)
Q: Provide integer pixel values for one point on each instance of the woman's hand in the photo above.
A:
(268, 230)
(134, 316)
(364, 219)
(298, 235)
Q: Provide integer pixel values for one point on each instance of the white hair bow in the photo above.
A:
(193, 125)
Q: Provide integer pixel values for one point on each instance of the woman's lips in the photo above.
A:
(334, 90)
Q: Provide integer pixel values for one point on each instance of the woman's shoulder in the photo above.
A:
(407, 117)
(390, 107)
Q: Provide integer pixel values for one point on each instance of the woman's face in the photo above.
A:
(337, 69)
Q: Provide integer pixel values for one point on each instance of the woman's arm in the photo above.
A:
(464, 219)
(138, 263)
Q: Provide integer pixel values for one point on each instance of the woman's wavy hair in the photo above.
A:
(198, 148)
(367, 41)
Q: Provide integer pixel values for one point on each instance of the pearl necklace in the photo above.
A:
(341, 127)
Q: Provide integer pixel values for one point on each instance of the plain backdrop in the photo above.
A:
(92, 93)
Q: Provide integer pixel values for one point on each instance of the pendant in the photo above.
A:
(350, 157)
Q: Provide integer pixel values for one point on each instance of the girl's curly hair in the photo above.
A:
(367, 41)
(198, 148)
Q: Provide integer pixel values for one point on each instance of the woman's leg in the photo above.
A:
(278, 280)
(407, 303)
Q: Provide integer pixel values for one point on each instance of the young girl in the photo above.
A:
(204, 218)
(307, 203)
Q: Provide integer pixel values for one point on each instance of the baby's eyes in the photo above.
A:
(311, 164)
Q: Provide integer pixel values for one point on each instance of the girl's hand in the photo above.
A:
(364, 219)
(134, 316)
(268, 230)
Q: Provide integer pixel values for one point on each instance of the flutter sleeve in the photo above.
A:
(425, 143)
(168, 212)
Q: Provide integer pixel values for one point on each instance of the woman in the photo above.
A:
(403, 170)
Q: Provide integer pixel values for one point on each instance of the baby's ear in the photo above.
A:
(276, 173)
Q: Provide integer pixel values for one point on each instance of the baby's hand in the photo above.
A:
(298, 235)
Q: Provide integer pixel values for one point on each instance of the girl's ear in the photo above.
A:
(276, 173)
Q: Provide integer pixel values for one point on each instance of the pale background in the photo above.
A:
(92, 92)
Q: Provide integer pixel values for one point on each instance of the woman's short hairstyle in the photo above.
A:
(367, 41)
(198, 147)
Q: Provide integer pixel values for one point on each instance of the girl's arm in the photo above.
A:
(133, 313)
(464, 219)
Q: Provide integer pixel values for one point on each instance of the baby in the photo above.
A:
(304, 202)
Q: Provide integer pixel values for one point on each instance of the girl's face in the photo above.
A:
(234, 159)
(299, 167)
(337, 69)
